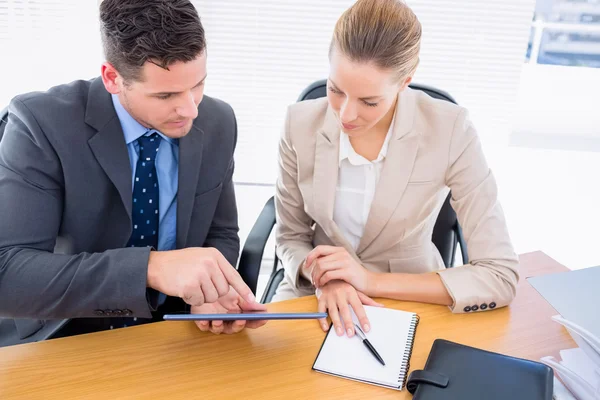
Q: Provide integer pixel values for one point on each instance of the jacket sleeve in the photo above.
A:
(490, 279)
(35, 282)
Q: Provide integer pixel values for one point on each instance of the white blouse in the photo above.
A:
(357, 180)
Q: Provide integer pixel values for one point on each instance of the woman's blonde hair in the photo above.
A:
(384, 32)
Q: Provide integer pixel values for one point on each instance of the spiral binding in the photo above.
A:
(408, 351)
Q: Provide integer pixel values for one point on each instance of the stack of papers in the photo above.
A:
(561, 392)
(579, 368)
(575, 296)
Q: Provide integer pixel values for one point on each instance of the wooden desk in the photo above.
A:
(175, 360)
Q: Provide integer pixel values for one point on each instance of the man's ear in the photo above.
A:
(111, 78)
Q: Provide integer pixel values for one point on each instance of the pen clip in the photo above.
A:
(360, 332)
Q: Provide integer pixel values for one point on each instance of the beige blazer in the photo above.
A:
(434, 148)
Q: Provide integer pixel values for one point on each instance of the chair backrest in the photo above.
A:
(318, 89)
(3, 121)
(446, 232)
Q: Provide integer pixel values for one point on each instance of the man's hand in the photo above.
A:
(328, 263)
(230, 303)
(197, 275)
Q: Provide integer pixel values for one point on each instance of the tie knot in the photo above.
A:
(149, 146)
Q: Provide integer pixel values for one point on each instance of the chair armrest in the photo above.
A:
(252, 253)
(272, 285)
(462, 243)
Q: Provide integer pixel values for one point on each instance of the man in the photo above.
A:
(117, 192)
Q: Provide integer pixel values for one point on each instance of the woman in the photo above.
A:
(364, 173)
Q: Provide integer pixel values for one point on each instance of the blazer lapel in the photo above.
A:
(108, 144)
(397, 168)
(325, 179)
(190, 160)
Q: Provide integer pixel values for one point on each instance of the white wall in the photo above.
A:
(558, 101)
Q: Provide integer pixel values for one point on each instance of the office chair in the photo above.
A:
(447, 232)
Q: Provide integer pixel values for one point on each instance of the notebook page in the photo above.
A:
(349, 357)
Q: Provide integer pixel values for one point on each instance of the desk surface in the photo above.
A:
(176, 360)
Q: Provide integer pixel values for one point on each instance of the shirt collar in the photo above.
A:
(347, 151)
(133, 130)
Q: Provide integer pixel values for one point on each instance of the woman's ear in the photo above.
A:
(405, 83)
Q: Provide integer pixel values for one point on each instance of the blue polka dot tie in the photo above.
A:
(144, 213)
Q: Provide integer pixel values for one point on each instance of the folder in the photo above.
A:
(574, 294)
(457, 372)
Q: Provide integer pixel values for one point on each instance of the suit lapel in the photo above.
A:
(397, 168)
(190, 160)
(325, 178)
(108, 144)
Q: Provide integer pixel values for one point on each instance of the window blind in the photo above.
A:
(262, 54)
(47, 42)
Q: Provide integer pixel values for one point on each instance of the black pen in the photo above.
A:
(366, 342)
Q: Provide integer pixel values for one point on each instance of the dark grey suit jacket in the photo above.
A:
(65, 207)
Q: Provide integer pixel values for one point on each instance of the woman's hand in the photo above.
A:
(336, 298)
(328, 263)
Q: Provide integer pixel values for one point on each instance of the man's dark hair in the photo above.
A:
(158, 31)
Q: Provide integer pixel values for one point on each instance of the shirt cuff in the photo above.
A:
(153, 298)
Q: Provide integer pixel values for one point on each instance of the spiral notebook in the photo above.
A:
(392, 334)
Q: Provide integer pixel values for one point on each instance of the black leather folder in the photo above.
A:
(457, 372)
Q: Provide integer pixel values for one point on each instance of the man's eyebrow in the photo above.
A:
(168, 93)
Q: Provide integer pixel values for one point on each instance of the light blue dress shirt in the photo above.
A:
(167, 168)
